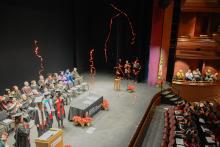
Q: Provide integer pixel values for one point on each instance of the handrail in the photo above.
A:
(138, 136)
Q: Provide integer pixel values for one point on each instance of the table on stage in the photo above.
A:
(86, 105)
(51, 138)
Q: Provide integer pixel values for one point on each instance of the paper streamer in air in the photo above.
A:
(119, 13)
(38, 55)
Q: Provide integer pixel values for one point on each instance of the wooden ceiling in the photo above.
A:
(197, 48)
(212, 6)
(199, 18)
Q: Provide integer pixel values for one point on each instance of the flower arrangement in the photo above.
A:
(77, 120)
(105, 104)
(131, 88)
(87, 120)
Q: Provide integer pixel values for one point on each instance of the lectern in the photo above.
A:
(51, 138)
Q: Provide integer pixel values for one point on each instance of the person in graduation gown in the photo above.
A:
(120, 69)
(16, 92)
(22, 132)
(70, 78)
(59, 109)
(27, 89)
(49, 109)
(78, 79)
(39, 116)
(136, 69)
(127, 68)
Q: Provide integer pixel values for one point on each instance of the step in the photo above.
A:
(166, 92)
(170, 96)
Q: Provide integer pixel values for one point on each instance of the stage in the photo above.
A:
(113, 128)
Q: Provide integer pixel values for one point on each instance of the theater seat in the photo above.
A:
(164, 143)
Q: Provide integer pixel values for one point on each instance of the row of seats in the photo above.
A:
(191, 124)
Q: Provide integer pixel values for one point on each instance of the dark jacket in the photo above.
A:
(22, 136)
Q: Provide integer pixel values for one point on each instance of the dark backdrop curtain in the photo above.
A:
(66, 31)
(22, 21)
(92, 25)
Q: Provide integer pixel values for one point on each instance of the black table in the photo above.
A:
(87, 105)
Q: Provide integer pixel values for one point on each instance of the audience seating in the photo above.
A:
(195, 124)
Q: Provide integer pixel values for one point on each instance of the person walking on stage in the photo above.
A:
(22, 132)
(40, 117)
(59, 109)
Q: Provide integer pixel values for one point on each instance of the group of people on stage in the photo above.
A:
(193, 123)
(40, 101)
(127, 70)
(196, 75)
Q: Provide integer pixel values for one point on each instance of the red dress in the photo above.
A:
(60, 112)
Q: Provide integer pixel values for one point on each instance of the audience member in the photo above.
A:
(214, 77)
(180, 75)
(189, 75)
(208, 76)
(188, 119)
(197, 75)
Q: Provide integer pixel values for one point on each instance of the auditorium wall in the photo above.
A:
(160, 40)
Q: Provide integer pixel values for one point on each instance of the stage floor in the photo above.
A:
(113, 128)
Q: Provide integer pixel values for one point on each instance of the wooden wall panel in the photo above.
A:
(197, 92)
(186, 64)
(187, 24)
(201, 6)
(166, 37)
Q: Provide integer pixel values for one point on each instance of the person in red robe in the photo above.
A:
(119, 69)
(59, 109)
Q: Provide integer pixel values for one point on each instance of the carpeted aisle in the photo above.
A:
(154, 133)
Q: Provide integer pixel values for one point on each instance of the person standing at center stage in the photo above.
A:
(40, 117)
(119, 69)
(127, 68)
(136, 69)
(59, 109)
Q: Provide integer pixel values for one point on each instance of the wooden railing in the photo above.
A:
(141, 130)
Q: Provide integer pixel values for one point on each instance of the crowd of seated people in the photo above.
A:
(16, 100)
(192, 125)
(196, 75)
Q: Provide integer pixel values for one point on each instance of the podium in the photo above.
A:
(51, 138)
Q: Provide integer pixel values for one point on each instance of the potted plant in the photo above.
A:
(87, 120)
(76, 120)
(105, 104)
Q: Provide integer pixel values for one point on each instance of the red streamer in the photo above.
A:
(108, 36)
(129, 22)
(120, 12)
(92, 66)
(37, 53)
